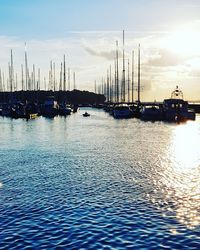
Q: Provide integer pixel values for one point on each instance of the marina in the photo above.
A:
(99, 125)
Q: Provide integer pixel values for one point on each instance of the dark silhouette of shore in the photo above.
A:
(71, 97)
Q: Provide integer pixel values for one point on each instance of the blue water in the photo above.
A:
(99, 183)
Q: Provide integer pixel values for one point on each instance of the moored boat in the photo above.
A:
(50, 107)
(176, 109)
(121, 111)
(64, 110)
(151, 113)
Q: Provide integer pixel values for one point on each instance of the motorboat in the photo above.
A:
(86, 114)
(50, 107)
(64, 110)
(176, 109)
(151, 113)
(121, 111)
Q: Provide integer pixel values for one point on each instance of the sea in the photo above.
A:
(99, 183)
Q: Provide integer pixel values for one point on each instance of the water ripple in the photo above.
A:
(99, 183)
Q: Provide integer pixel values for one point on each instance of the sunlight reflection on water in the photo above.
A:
(182, 184)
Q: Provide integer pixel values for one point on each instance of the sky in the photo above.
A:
(86, 32)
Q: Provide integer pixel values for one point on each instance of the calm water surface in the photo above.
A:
(99, 183)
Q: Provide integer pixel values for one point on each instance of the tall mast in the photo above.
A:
(54, 76)
(60, 87)
(110, 83)
(45, 84)
(74, 79)
(16, 83)
(132, 76)
(51, 76)
(108, 88)
(115, 91)
(38, 82)
(69, 79)
(1, 86)
(139, 74)
(117, 71)
(26, 68)
(22, 72)
(11, 72)
(4, 85)
(123, 74)
(95, 86)
(64, 74)
(128, 83)
(9, 87)
(33, 77)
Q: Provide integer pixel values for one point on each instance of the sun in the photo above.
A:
(184, 41)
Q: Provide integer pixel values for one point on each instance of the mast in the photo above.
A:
(54, 76)
(45, 83)
(9, 87)
(16, 83)
(110, 83)
(69, 79)
(115, 91)
(11, 72)
(64, 74)
(38, 82)
(132, 76)
(108, 88)
(117, 72)
(1, 86)
(95, 86)
(33, 77)
(128, 83)
(51, 76)
(26, 68)
(4, 85)
(74, 79)
(123, 74)
(22, 72)
(139, 74)
(60, 87)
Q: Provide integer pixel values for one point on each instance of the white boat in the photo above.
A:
(121, 111)
(151, 113)
(176, 109)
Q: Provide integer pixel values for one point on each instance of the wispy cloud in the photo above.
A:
(167, 58)
(108, 55)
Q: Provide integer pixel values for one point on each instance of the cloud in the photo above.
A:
(108, 55)
(166, 58)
